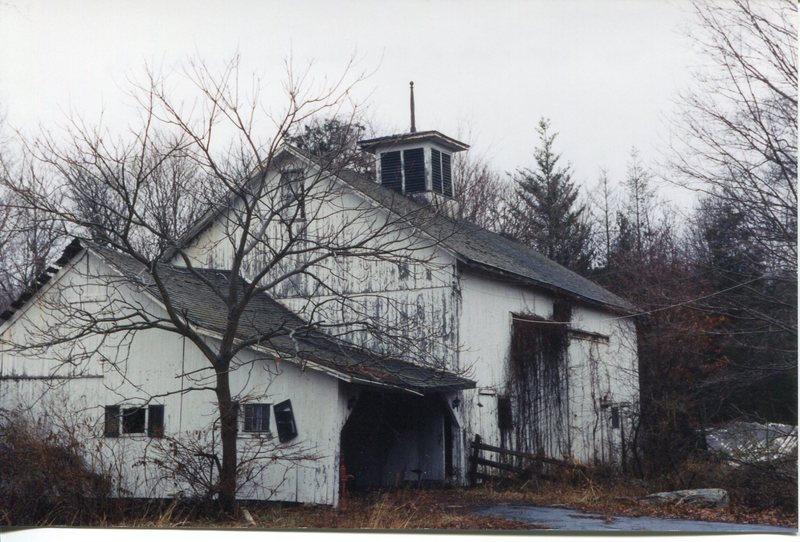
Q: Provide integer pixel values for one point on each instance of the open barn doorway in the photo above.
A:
(392, 439)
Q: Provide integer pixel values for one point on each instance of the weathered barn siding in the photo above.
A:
(409, 288)
(594, 371)
(439, 312)
(153, 366)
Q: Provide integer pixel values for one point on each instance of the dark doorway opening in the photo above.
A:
(392, 439)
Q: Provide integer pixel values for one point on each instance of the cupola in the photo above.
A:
(415, 162)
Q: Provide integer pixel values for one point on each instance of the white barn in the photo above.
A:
(506, 344)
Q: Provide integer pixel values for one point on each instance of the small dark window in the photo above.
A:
(562, 310)
(414, 170)
(391, 170)
(447, 176)
(112, 421)
(284, 420)
(504, 419)
(155, 421)
(133, 420)
(436, 171)
(256, 418)
(615, 417)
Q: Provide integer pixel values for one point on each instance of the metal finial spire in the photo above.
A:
(413, 120)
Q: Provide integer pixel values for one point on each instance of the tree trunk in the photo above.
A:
(228, 434)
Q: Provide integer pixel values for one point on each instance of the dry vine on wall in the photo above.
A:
(539, 384)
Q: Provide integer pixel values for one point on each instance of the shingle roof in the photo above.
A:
(193, 294)
(491, 252)
(476, 247)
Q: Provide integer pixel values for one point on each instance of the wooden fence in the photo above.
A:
(511, 463)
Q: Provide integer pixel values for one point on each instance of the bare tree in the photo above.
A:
(738, 132)
(276, 229)
(483, 195)
(28, 238)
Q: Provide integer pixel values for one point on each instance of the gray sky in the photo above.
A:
(605, 72)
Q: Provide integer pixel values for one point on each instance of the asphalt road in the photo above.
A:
(567, 519)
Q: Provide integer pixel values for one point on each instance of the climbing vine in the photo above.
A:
(538, 384)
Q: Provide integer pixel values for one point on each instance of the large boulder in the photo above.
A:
(697, 498)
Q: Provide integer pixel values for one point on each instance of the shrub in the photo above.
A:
(44, 478)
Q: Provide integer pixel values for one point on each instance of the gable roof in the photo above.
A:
(475, 247)
(192, 293)
(487, 251)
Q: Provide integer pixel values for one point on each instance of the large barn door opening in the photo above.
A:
(391, 439)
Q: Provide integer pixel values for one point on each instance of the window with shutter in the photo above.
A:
(133, 420)
(112, 421)
(284, 421)
(155, 421)
(256, 418)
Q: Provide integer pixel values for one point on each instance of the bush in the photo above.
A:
(756, 486)
(44, 478)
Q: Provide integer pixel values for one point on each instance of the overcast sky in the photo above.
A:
(606, 72)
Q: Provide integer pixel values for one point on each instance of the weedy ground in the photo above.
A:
(453, 509)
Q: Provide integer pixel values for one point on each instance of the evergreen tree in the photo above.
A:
(334, 141)
(547, 216)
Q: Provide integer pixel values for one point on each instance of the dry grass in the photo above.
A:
(403, 509)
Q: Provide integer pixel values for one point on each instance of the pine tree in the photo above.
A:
(547, 216)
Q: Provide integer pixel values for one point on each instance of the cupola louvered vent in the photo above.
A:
(447, 176)
(392, 170)
(414, 170)
(436, 170)
(417, 164)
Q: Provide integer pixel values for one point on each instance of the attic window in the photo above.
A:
(441, 173)
(284, 420)
(293, 196)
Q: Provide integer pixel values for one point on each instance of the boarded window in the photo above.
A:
(284, 420)
(391, 171)
(111, 421)
(155, 421)
(414, 170)
(504, 418)
(133, 420)
(256, 418)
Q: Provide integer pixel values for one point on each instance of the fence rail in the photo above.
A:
(526, 465)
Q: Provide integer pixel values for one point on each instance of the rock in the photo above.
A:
(696, 498)
(248, 517)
